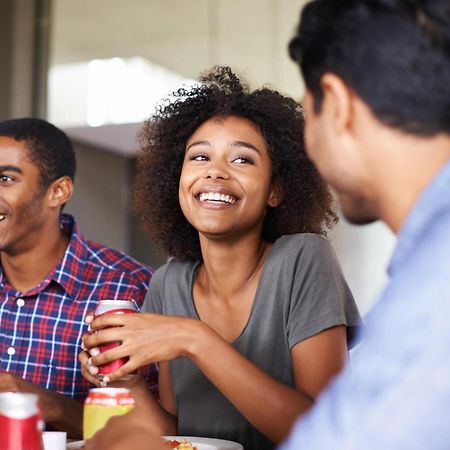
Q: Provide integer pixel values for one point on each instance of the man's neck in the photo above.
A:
(404, 180)
(24, 271)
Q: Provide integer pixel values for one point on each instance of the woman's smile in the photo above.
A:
(216, 197)
(225, 182)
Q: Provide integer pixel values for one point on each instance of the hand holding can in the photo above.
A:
(113, 307)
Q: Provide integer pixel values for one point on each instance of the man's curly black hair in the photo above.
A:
(306, 206)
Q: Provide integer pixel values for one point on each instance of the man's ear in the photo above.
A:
(276, 193)
(337, 101)
(60, 192)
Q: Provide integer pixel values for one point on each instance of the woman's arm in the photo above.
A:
(166, 391)
(318, 359)
(268, 404)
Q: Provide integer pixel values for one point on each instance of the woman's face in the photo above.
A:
(225, 184)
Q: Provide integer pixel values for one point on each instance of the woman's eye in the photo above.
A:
(199, 158)
(242, 160)
(5, 178)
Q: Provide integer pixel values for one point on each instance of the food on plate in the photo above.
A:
(180, 445)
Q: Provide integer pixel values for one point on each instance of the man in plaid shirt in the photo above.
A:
(50, 276)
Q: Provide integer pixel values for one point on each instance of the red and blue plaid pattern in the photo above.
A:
(40, 330)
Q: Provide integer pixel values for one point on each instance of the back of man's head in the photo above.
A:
(394, 54)
(48, 147)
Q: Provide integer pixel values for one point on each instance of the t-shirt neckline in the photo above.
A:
(255, 298)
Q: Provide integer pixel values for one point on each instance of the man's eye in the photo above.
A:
(5, 178)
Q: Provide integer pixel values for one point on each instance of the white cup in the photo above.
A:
(54, 440)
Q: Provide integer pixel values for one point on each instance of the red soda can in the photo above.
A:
(113, 307)
(20, 422)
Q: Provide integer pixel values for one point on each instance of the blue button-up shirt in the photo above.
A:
(396, 394)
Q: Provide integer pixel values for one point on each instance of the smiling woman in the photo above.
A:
(226, 178)
(251, 317)
(278, 120)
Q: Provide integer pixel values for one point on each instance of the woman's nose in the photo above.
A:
(216, 170)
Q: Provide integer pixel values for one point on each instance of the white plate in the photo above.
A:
(74, 445)
(203, 443)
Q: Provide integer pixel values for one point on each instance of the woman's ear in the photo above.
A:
(60, 192)
(276, 193)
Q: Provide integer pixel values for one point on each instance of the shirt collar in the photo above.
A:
(432, 201)
(69, 272)
(1, 276)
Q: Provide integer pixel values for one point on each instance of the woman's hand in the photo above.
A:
(145, 338)
(87, 369)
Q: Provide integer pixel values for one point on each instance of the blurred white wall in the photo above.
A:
(364, 252)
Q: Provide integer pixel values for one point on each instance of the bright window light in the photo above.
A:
(108, 91)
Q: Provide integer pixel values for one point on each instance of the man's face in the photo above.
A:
(337, 156)
(22, 211)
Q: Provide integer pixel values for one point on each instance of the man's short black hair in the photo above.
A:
(394, 54)
(48, 147)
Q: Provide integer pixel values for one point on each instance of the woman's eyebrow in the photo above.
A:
(233, 144)
(246, 145)
(197, 143)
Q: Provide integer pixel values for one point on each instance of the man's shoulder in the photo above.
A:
(97, 255)
(113, 260)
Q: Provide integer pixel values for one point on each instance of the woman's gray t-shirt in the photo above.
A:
(301, 292)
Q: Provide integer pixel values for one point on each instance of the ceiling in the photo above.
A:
(119, 139)
(186, 36)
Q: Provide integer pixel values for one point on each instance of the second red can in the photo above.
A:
(20, 422)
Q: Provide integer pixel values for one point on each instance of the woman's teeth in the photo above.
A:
(216, 197)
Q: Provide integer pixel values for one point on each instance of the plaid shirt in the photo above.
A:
(41, 329)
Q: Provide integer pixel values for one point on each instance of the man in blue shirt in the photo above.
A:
(377, 107)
